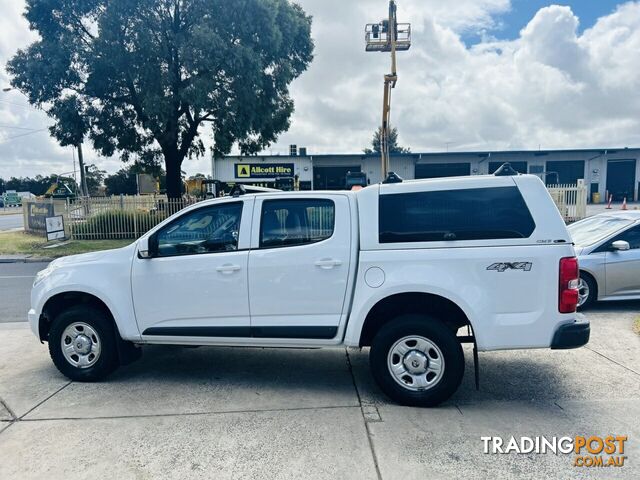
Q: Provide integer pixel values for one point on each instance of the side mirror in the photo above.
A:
(146, 247)
(620, 245)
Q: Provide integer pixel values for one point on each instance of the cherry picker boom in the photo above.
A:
(387, 36)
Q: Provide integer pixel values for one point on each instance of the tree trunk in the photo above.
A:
(174, 180)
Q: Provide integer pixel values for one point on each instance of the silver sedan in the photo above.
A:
(608, 249)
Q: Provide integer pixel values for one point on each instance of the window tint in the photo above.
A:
(632, 236)
(468, 214)
(205, 230)
(296, 222)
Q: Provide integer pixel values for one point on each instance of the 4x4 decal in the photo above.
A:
(502, 266)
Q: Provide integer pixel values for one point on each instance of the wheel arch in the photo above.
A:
(63, 300)
(390, 307)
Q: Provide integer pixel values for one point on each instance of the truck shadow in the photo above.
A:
(254, 371)
(518, 376)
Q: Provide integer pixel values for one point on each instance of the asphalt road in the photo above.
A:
(15, 288)
(9, 222)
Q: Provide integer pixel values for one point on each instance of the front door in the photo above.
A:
(196, 286)
(623, 266)
(299, 266)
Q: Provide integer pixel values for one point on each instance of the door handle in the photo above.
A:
(328, 263)
(228, 268)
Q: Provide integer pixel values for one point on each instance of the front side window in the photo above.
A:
(205, 230)
(296, 222)
(631, 236)
(466, 214)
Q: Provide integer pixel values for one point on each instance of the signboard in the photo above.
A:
(264, 170)
(55, 227)
(147, 183)
(37, 214)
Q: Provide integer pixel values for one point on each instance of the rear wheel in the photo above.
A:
(82, 344)
(417, 360)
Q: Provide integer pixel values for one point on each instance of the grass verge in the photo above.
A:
(21, 243)
(636, 325)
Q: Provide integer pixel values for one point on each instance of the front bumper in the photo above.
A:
(572, 335)
(34, 322)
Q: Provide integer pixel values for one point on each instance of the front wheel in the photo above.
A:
(417, 360)
(587, 291)
(82, 344)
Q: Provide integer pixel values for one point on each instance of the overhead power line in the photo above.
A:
(18, 128)
(21, 135)
(21, 105)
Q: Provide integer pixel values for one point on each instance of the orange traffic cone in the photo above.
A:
(609, 203)
(624, 204)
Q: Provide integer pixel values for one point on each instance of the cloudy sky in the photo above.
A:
(480, 75)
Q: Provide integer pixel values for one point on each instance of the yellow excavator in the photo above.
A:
(59, 189)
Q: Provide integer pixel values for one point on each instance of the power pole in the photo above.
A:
(387, 36)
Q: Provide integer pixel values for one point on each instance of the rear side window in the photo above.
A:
(296, 222)
(468, 214)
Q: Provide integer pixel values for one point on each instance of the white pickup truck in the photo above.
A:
(400, 267)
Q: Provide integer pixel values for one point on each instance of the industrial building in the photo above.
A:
(614, 171)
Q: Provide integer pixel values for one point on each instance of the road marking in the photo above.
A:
(17, 276)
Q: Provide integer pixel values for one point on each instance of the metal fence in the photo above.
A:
(129, 217)
(571, 200)
(124, 217)
(103, 218)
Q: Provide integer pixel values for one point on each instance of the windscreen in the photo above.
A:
(593, 229)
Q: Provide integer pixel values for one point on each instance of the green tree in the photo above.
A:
(142, 76)
(94, 178)
(393, 143)
(124, 182)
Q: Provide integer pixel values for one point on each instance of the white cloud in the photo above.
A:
(552, 86)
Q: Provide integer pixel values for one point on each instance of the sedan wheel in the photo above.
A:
(583, 292)
(587, 291)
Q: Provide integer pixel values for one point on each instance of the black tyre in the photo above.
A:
(417, 360)
(82, 344)
(587, 291)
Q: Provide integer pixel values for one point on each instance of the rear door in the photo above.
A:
(299, 265)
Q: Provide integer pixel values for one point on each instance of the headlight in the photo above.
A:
(42, 274)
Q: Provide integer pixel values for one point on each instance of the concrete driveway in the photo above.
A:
(277, 413)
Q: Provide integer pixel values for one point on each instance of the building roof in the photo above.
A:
(479, 153)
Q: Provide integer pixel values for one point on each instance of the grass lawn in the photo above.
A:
(22, 243)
